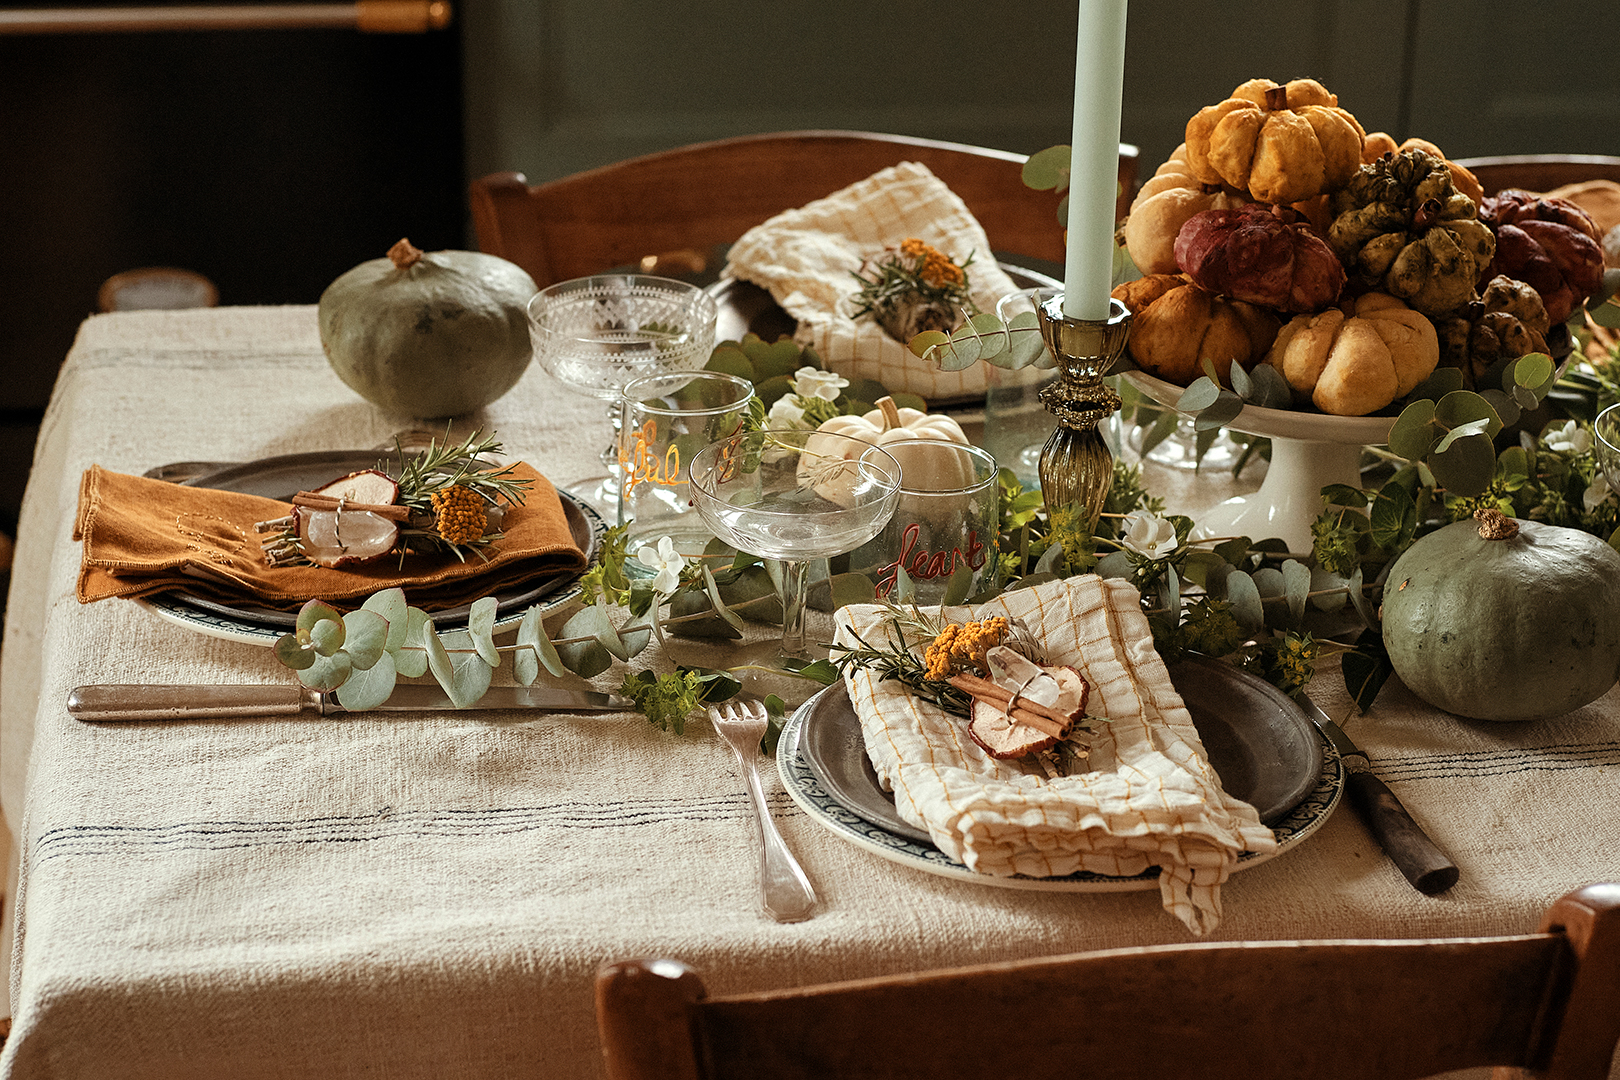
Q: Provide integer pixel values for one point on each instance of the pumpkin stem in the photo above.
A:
(891, 413)
(1277, 99)
(1495, 525)
(404, 254)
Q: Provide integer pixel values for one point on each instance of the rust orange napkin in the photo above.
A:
(145, 536)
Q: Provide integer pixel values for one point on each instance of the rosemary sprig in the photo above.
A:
(896, 660)
(442, 466)
(897, 278)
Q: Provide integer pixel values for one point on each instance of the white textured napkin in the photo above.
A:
(806, 258)
(1152, 798)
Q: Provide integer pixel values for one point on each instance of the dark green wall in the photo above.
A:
(563, 85)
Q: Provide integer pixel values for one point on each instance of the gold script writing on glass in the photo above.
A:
(639, 464)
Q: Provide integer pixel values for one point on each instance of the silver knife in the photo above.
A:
(108, 702)
(1428, 868)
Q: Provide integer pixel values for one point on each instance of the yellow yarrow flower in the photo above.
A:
(963, 645)
(459, 516)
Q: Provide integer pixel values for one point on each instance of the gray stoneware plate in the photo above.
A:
(1261, 744)
(283, 476)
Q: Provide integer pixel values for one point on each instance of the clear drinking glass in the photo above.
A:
(597, 334)
(667, 420)
(1606, 431)
(794, 496)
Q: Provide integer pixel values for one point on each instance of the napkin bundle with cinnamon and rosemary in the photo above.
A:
(1143, 793)
(447, 528)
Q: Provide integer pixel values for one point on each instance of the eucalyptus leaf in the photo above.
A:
(1606, 315)
(1344, 495)
(1169, 589)
(1048, 170)
(1466, 467)
(1462, 407)
(313, 612)
(481, 629)
(1116, 564)
(1505, 406)
(1442, 381)
(1244, 597)
(1462, 431)
(929, 345)
(636, 634)
(1356, 592)
(1533, 372)
(1328, 588)
(1414, 432)
(1198, 563)
(291, 652)
(327, 636)
(728, 359)
(1393, 518)
(1225, 409)
(365, 637)
(1270, 390)
(1163, 426)
(410, 659)
(851, 589)
(1200, 394)
(1268, 581)
(584, 658)
(458, 668)
(1025, 346)
(905, 590)
(720, 608)
(391, 605)
(593, 621)
(369, 688)
(535, 650)
(1366, 668)
(327, 672)
(1049, 560)
(1296, 587)
(958, 585)
(1241, 384)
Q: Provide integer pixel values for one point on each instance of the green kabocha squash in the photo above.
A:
(429, 334)
(1502, 619)
(1400, 227)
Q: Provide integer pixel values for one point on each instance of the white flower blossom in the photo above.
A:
(1568, 437)
(809, 382)
(786, 414)
(1597, 492)
(666, 561)
(1149, 535)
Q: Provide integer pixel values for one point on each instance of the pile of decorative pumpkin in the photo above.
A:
(1282, 233)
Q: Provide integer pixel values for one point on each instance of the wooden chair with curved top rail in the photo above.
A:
(1540, 172)
(694, 198)
(1329, 1010)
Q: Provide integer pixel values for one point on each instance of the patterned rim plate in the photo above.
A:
(259, 626)
(812, 796)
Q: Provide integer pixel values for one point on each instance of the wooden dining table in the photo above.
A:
(428, 895)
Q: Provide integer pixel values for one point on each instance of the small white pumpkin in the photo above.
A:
(923, 467)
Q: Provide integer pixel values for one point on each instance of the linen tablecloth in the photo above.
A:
(429, 896)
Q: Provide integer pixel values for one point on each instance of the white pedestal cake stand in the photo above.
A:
(1308, 452)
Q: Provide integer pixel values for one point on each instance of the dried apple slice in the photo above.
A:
(369, 486)
(1002, 737)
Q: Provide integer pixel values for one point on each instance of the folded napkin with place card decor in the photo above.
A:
(146, 536)
(807, 257)
(1151, 797)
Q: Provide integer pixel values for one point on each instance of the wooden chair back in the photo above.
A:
(1540, 172)
(1349, 1010)
(696, 197)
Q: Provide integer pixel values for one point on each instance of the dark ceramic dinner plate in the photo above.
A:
(283, 476)
(1260, 743)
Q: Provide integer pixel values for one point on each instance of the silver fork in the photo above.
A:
(784, 890)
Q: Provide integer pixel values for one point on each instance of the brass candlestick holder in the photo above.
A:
(1076, 465)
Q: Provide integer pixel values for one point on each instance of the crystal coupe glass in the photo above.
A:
(1606, 429)
(794, 496)
(597, 334)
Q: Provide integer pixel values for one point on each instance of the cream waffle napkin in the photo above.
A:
(806, 257)
(1152, 800)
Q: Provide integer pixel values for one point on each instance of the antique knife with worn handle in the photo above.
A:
(135, 702)
(1428, 868)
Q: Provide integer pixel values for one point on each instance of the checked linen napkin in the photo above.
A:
(1151, 800)
(807, 258)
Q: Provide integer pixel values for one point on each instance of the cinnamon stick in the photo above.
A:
(392, 511)
(1022, 713)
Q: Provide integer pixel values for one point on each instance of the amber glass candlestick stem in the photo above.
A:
(1076, 465)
